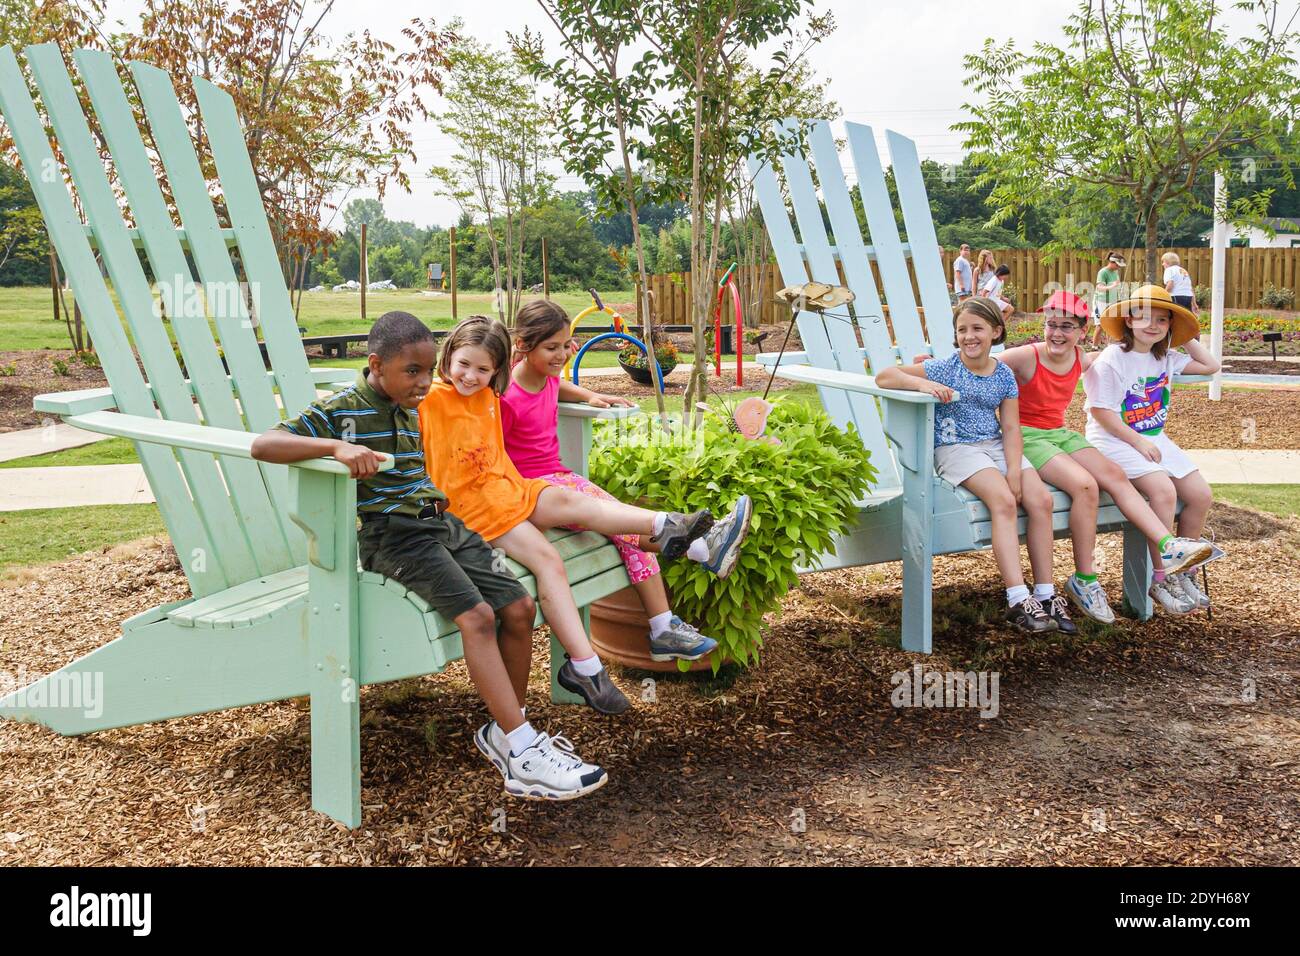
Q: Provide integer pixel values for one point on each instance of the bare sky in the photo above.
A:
(891, 64)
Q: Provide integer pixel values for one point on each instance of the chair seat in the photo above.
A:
(585, 553)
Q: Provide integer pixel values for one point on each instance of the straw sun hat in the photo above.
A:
(1183, 326)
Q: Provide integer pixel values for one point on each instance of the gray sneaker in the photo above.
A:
(492, 743)
(680, 642)
(727, 536)
(680, 530)
(598, 691)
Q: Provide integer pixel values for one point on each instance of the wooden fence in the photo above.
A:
(1248, 272)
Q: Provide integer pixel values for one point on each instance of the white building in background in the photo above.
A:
(1287, 235)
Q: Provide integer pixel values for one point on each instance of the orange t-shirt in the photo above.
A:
(465, 455)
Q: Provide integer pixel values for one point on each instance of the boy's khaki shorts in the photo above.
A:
(439, 559)
(1044, 444)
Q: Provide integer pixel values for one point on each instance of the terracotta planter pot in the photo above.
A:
(618, 632)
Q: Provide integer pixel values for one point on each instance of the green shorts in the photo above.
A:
(1044, 444)
(439, 559)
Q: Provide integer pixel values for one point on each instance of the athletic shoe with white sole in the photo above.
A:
(1058, 609)
(492, 743)
(1030, 616)
(681, 642)
(1182, 554)
(1171, 597)
(1090, 598)
(550, 770)
(724, 541)
(680, 530)
(1193, 592)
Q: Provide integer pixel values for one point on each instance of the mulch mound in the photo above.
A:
(1251, 419)
(676, 380)
(34, 374)
(1171, 742)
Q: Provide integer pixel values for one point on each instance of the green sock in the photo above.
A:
(1085, 578)
(1164, 542)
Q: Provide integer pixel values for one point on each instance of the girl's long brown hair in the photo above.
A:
(984, 308)
(535, 323)
(485, 333)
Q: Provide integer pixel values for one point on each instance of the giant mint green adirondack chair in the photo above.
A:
(912, 514)
(279, 606)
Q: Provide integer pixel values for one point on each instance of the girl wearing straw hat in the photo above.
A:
(1128, 389)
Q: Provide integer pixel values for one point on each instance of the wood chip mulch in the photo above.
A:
(34, 374)
(1171, 742)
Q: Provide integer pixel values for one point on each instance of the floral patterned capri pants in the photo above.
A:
(640, 564)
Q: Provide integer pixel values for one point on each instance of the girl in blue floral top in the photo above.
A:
(976, 432)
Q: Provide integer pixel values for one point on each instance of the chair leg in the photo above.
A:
(918, 585)
(1137, 574)
(560, 695)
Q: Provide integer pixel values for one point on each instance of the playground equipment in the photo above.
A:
(728, 281)
(618, 331)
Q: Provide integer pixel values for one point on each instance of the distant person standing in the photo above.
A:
(1105, 291)
(985, 266)
(993, 290)
(1178, 283)
(963, 275)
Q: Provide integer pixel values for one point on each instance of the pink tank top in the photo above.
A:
(528, 423)
(1046, 396)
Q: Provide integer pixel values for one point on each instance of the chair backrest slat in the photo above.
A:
(211, 257)
(853, 251)
(262, 530)
(927, 258)
(884, 238)
(789, 260)
(836, 327)
(256, 247)
(188, 533)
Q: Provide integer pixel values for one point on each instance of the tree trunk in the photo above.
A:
(1153, 220)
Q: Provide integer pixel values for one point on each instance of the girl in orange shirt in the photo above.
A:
(460, 427)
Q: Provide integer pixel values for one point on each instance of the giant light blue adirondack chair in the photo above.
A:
(279, 607)
(912, 515)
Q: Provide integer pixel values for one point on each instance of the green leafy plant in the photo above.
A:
(88, 359)
(1275, 297)
(804, 492)
(665, 352)
(1202, 295)
(60, 367)
(8, 371)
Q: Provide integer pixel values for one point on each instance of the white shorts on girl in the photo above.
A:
(1173, 460)
(956, 463)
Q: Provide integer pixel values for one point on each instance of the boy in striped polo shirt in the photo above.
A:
(408, 534)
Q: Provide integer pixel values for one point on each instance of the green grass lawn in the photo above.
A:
(52, 534)
(1282, 500)
(110, 451)
(27, 316)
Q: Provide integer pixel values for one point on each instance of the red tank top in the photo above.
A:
(1045, 397)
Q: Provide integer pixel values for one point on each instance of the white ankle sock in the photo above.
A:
(1044, 592)
(660, 518)
(659, 623)
(698, 550)
(521, 738)
(588, 666)
(1016, 594)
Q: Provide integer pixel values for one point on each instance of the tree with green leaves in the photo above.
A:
(497, 172)
(1142, 99)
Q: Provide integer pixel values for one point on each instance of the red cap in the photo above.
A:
(1067, 302)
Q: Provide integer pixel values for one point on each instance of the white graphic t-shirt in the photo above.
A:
(1136, 385)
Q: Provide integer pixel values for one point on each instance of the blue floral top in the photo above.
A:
(973, 418)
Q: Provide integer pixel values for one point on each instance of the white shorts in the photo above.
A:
(956, 463)
(1173, 460)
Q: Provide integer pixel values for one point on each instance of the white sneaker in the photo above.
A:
(550, 770)
(1182, 554)
(491, 741)
(1187, 581)
(1091, 599)
(1170, 596)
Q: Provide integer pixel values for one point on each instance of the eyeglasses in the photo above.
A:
(1068, 327)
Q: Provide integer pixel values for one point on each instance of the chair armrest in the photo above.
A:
(1192, 379)
(854, 382)
(583, 410)
(218, 441)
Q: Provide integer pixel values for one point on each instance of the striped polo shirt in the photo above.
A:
(359, 415)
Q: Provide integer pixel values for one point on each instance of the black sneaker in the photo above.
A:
(680, 530)
(1030, 617)
(1058, 609)
(598, 691)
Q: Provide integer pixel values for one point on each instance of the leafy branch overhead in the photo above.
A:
(1142, 98)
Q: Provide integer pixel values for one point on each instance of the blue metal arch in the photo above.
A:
(577, 359)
